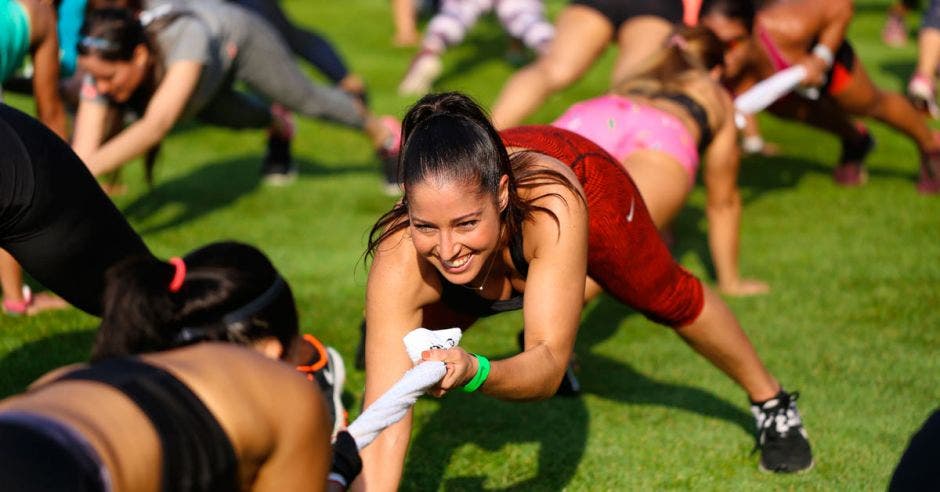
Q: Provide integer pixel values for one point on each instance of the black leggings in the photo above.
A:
(54, 218)
(306, 44)
(620, 11)
(917, 469)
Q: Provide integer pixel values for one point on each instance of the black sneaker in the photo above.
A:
(388, 155)
(278, 168)
(569, 386)
(330, 377)
(781, 437)
(929, 181)
(361, 348)
(851, 168)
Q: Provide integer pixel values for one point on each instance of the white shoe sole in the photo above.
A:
(339, 379)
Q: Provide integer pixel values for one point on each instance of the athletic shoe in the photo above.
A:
(278, 168)
(19, 308)
(851, 169)
(781, 437)
(360, 361)
(894, 33)
(330, 375)
(928, 182)
(388, 154)
(922, 93)
(570, 385)
(331, 380)
(423, 71)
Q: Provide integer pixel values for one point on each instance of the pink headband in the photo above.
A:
(178, 275)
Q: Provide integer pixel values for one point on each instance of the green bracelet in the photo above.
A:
(483, 370)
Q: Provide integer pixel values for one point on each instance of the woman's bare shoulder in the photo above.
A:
(398, 271)
(542, 185)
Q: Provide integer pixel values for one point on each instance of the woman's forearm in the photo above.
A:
(532, 375)
(130, 143)
(724, 229)
(383, 461)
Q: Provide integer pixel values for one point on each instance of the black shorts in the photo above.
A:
(620, 11)
(840, 75)
(39, 453)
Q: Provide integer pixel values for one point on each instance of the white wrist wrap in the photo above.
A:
(823, 52)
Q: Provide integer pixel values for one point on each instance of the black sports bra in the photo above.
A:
(197, 454)
(697, 112)
(466, 301)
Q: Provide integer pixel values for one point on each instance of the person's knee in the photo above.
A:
(874, 106)
(557, 75)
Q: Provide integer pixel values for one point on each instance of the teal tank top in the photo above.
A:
(14, 37)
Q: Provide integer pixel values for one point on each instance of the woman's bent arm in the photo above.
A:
(394, 296)
(723, 208)
(163, 110)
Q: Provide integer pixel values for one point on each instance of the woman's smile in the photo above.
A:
(459, 264)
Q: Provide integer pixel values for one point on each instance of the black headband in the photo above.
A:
(238, 316)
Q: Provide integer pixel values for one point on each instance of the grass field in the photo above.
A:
(852, 322)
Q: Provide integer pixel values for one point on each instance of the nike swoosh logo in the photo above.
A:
(632, 205)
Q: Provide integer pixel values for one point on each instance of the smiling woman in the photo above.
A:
(491, 222)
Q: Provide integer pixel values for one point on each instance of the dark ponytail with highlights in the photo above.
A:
(142, 315)
(448, 137)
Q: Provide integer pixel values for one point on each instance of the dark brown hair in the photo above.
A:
(688, 54)
(448, 137)
(230, 292)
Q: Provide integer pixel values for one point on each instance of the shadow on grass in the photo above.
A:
(615, 380)
(33, 359)
(558, 427)
(211, 187)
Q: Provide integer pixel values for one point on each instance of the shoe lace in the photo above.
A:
(777, 419)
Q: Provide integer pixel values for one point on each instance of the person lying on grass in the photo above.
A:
(185, 390)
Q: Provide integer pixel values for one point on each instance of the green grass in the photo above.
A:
(852, 321)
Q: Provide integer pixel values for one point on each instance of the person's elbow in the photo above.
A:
(549, 384)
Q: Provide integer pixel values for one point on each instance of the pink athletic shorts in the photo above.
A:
(621, 126)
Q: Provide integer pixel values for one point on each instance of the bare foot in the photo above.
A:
(45, 301)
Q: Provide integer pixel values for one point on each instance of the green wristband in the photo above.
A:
(483, 370)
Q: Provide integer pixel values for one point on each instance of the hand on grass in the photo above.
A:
(744, 287)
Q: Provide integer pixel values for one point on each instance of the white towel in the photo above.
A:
(394, 404)
(767, 91)
(421, 339)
